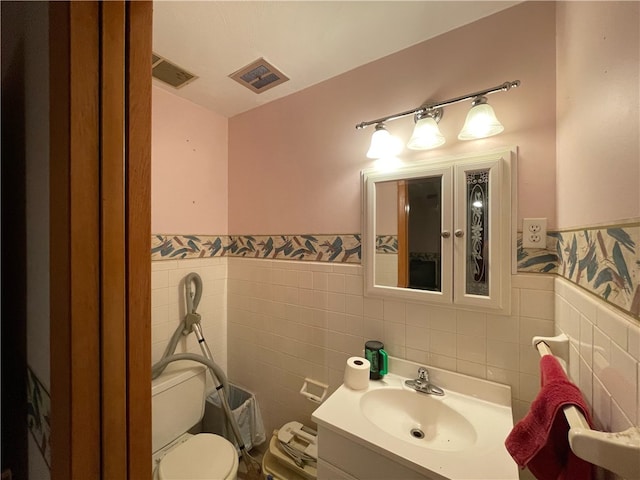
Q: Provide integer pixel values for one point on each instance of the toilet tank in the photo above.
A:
(177, 401)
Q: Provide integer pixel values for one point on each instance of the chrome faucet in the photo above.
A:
(422, 383)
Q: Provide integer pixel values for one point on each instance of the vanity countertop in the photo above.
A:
(465, 429)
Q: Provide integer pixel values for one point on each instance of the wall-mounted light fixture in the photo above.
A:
(481, 122)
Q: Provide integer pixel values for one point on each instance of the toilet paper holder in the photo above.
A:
(318, 390)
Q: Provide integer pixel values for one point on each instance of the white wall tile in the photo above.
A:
(602, 354)
(471, 348)
(337, 322)
(305, 279)
(418, 356)
(537, 304)
(159, 315)
(443, 361)
(320, 281)
(330, 319)
(354, 324)
(503, 355)
(471, 323)
(443, 319)
(164, 265)
(372, 328)
(619, 421)
(159, 279)
(335, 302)
(613, 325)
(443, 343)
(394, 333)
(336, 282)
(533, 281)
(506, 377)
(417, 338)
(621, 381)
(531, 327)
(346, 269)
(634, 341)
(159, 297)
(586, 340)
(417, 315)
(394, 311)
(515, 301)
(373, 307)
(478, 370)
(354, 305)
(585, 303)
(529, 387)
(353, 284)
(504, 328)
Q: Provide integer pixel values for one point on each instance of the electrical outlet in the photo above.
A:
(534, 233)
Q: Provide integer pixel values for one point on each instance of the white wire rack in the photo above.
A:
(618, 452)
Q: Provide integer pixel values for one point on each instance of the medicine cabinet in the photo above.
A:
(441, 231)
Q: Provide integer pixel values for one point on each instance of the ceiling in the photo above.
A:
(309, 41)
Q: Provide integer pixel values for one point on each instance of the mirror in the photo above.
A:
(408, 226)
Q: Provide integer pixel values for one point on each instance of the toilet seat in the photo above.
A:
(202, 456)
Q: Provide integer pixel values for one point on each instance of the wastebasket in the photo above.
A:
(245, 409)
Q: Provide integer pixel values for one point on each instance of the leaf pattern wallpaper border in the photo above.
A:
(344, 248)
(603, 260)
(39, 415)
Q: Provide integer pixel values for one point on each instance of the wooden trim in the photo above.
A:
(60, 337)
(100, 127)
(138, 224)
(85, 253)
(75, 295)
(114, 381)
(403, 229)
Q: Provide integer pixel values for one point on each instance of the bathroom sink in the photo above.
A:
(418, 418)
(389, 430)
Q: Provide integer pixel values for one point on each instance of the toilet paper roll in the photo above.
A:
(356, 373)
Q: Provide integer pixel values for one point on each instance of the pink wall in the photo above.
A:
(189, 193)
(598, 149)
(294, 163)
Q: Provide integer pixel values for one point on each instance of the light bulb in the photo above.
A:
(481, 122)
(383, 144)
(426, 134)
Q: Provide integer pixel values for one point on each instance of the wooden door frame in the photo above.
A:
(100, 124)
(403, 233)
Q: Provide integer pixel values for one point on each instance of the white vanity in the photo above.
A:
(390, 431)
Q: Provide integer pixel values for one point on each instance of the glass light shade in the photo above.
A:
(481, 122)
(426, 134)
(383, 144)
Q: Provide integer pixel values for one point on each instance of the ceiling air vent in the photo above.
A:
(259, 76)
(170, 73)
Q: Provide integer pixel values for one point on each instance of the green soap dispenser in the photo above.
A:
(374, 352)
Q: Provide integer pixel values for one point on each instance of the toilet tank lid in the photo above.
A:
(176, 373)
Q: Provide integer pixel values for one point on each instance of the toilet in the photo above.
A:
(178, 401)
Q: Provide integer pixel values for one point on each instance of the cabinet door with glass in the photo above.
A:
(481, 234)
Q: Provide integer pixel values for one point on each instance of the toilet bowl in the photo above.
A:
(178, 400)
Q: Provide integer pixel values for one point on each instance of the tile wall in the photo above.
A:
(604, 355)
(168, 305)
(283, 320)
(289, 320)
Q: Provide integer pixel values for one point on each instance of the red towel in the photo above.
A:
(540, 441)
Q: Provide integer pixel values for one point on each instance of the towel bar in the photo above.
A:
(618, 452)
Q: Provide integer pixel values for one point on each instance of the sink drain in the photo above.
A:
(417, 433)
